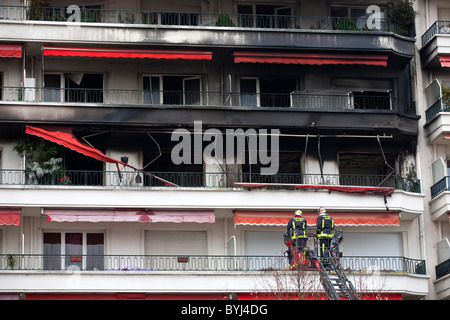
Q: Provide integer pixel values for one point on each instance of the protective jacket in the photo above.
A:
(325, 226)
(296, 227)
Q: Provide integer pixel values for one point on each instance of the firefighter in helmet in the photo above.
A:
(296, 228)
(324, 227)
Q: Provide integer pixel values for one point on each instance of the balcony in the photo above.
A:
(203, 19)
(436, 44)
(326, 101)
(36, 262)
(204, 29)
(106, 106)
(441, 105)
(68, 178)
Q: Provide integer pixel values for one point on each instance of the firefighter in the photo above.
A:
(296, 228)
(324, 227)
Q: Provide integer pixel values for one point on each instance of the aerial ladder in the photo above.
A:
(332, 276)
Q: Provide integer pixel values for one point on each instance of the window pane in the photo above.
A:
(52, 91)
(52, 251)
(152, 91)
(192, 91)
(74, 249)
(95, 251)
(248, 92)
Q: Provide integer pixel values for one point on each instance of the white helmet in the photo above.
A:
(322, 211)
(298, 212)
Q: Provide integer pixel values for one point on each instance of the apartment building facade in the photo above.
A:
(157, 150)
(432, 80)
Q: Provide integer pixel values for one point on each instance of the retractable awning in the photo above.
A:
(8, 50)
(9, 217)
(65, 137)
(128, 215)
(127, 53)
(445, 61)
(281, 218)
(310, 58)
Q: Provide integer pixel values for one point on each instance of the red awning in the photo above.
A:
(10, 217)
(64, 136)
(8, 50)
(128, 215)
(445, 61)
(281, 218)
(310, 58)
(127, 53)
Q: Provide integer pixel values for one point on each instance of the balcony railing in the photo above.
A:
(443, 269)
(194, 263)
(296, 99)
(200, 179)
(202, 19)
(439, 27)
(440, 186)
(442, 105)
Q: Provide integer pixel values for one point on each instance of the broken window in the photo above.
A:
(86, 88)
(371, 100)
(366, 169)
(266, 92)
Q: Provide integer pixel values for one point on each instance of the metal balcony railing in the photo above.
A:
(39, 262)
(200, 179)
(297, 99)
(200, 19)
(440, 186)
(442, 105)
(439, 27)
(443, 269)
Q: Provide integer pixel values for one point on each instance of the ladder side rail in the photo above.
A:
(325, 281)
(345, 284)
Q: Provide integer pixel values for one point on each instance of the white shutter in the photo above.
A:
(175, 242)
(372, 244)
(264, 243)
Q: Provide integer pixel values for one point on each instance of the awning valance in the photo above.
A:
(9, 217)
(128, 215)
(8, 50)
(445, 61)
(310, 58)
(281, 218)
(127, 53)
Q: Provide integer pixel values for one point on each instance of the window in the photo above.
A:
(265, 16)
(266, 92)
(52, 88)
(73, 87)
(366, 169)
(178, 90)
(371, 100)
(86, 88)
(64, 250)
(350, 18)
